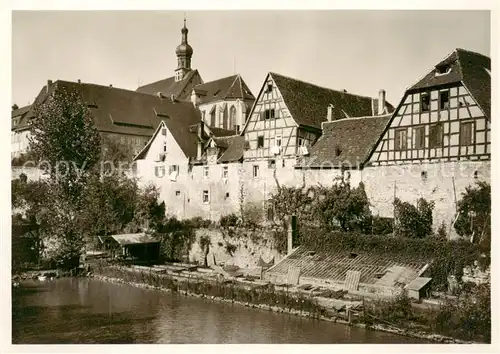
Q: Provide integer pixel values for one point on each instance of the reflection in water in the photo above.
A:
(93, 311)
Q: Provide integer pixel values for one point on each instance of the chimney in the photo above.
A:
(172, 98)
(329, 115)
(381, 101)
(79, 81)
(49, 85)
(159, 95)
(110, 85)
(14, 107)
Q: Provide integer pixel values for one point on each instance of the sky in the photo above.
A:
(360, 51)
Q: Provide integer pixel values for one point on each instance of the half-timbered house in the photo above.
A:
(439, 139)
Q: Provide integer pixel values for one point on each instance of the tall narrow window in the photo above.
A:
(400, 139)
(206, 197)
(212, 118)
(225, 172)
(277, 140)
(260, 142)
(466, 130)
(436, 136)
(419, 137)
(205, 172)
(232, 118)
(255, 171)
(425, 102)
(444, 99)
(164, 132)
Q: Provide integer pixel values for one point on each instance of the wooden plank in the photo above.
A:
(352, 280)
(293, 276)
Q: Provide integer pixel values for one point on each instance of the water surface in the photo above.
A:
(86, 311)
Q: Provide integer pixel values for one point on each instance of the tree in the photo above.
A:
(64, 137)
(342, 205)
(413, 221)
(474, 214)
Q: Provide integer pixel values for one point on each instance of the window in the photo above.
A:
(232, 118)
(466, 130)
(260, 142)
(277, 140)
(212, 118)
(442, 69)
(419, 137)
(436, 136)
(271, 164)
(164, 147)
(173, 168)
(206, 198)
(400, 141)
(269, 113)
(423, 174)
(425, 102)
(300, 141)
(177, 193)
(476, 175)
(269, 88)
(444, 100)
(205, 172)
(255, 171)
(159, 171)
(225, 172)
(338, 151)
(237, 129)
(227, 195)
(164, 132)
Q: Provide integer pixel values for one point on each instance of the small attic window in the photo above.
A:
(338, 151)
(269, 88)
(442, 69)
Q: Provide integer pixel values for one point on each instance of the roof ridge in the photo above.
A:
(220, 79)
(358, 118)
(116, 88)
(472, 52)
(322, 87)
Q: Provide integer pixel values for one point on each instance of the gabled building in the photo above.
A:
(224, 103)
(438, 140)
(19, 130)
(286, 121)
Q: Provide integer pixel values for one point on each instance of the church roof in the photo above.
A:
(170, 87)
(120, 111)
(345, 142)
(308, 102)
(470, 68)
(231, 87)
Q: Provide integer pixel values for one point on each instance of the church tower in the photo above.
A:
(184, 53)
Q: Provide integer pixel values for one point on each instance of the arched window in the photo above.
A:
(232, 118)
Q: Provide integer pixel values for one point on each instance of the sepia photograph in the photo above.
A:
(250, 177)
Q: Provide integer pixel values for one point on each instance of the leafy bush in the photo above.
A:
(340, 204)
(413, 221)
(229, 220)
(474, 214)
(441, 232)
(198, 222)
(252, 215)
(382, 226)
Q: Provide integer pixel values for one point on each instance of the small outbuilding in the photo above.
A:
(139, 246)
(418, 288)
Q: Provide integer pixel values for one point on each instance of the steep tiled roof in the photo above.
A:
(219, 132)
(170, 87)
(234, 148)
(19, 115)
(122, 111)
(308, 103)
(345, 142)
(472, 69)
(333, 264)
(231, 87)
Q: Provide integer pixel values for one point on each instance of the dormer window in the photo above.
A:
(442, 69)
